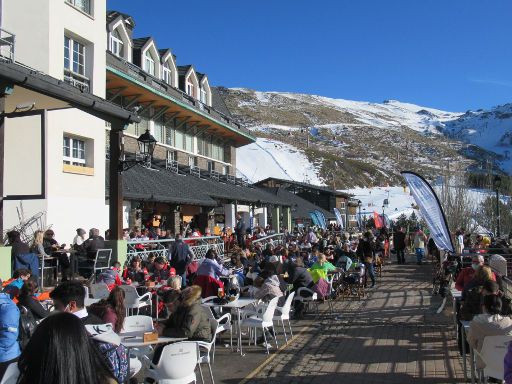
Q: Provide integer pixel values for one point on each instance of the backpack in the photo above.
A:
(27, 326)
(116, 359)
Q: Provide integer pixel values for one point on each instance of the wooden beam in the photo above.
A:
(160, 112)
(133, 101)
(169, 118)
(117, 93)
(146, 107)
(202, 130)
(179, 125)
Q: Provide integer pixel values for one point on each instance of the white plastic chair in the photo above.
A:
(223, 324)
(264, 321)
(177, 364)
(99, 291)
(137, 323)
(283, 313)
(312, 298)
(132, 300)
(204, 358)
(11, 374)
(88, 300)
(494, 349)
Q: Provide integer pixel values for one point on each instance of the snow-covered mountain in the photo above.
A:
(355, 143)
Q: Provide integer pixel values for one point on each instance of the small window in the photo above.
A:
(159, 132)
(172, 156)
(225, 170)
(192, 161)
(167, 73)
(73, 151)
(74, 56)
(149, 63)
(116, 43)
(190, 88)
(83, 5)
(203, 96)
(189, 143)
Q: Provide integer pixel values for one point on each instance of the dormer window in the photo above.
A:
(204, 97)
(149, 63)
(190, 88)
(167, 73)
(116, 44)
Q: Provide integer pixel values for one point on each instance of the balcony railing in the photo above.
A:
(172, 165)
(138, 73)
(76, 80)
(7, 41)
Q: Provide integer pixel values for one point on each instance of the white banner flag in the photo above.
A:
(430, 209)
(339, 218)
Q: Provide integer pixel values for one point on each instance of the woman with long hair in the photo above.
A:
(27, 298)
(111, 310)
(37, 244)
(61, 351)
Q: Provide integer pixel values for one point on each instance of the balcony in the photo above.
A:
(76, 80)
(7, 40)
(139, 76)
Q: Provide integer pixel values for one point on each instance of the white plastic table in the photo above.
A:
(136, 340)
(238, 305)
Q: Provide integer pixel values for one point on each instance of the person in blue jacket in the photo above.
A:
(9, 323)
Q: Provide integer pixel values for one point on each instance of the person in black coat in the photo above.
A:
(240, 231)
(28, 299)
(365, 251)
(399, 244)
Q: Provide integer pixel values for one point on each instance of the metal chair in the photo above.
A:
(101, 263)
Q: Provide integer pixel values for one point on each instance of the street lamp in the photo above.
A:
(359, 204)
(147, 145)
(497, 185)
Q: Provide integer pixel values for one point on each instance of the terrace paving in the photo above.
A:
(391, 336)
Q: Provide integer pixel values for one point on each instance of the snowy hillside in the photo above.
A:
(271, 158)
(348, 144)
(491, 130)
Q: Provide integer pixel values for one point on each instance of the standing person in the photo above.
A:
(365, 251)
(399, 244)
(20, 254)
(419, 245)
(9, 323)
(180, 256)
(460, 241)
(60, 351)
(240, 230)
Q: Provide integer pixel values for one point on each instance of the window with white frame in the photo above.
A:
(225, 170)
(192, 161)
(211, 166)
(83, 5)
(179, 139)
(167, 73)
(73, 151)
(189, 142)
(172, 156)
(116, 44)
(190, 88)
(74, 56)
(149, 63)
(204, 98)
(159, 133)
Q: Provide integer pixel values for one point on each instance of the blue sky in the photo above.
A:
(449, 54)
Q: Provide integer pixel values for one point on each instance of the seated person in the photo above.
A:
(28, 299)
(489, 323)
(93, 243)
(321, 268)
(344, 262)
(53, 248)
(111, 310)
(481, 275)
(161, 270)
(135, 272)
(210, 267)
(149, 263)
(270, 288)
(13, 286)
(173, 284)
(110, 277)
(189, 320)
(466, 275)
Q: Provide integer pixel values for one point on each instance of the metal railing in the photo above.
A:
(76, 80)
(275, 239)
(7, 40)
(198, 245)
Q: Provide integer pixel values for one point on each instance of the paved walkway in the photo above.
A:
(391, 336)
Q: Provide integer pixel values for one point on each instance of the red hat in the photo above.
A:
(172, 272)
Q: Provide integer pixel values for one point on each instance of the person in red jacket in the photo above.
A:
(467, 274)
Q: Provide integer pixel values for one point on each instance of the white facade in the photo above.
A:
(74, 192)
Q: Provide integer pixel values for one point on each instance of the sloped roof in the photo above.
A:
(140, 183)
(218, 102)
(139, 42)
(305, 186)
(300, 206)
(112, 15)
